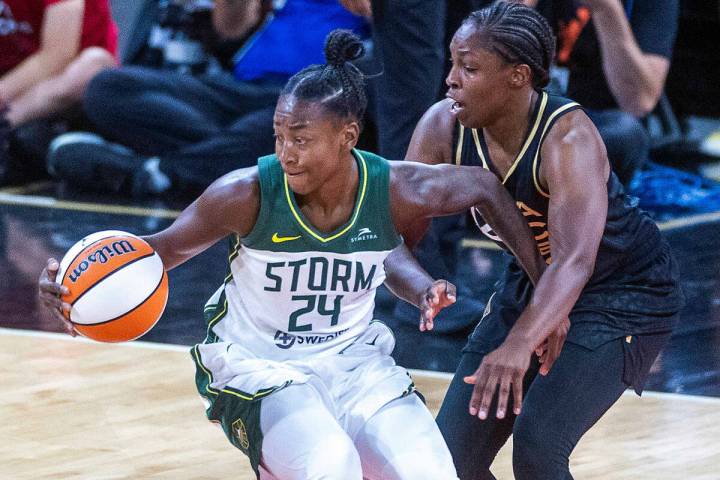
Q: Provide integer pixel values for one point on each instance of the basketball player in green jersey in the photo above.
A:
(293, 366)
(609, 269)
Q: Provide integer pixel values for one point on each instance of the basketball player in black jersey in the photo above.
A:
(609, 270)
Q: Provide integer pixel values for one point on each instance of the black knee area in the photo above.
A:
(111, 84)
(538, 454)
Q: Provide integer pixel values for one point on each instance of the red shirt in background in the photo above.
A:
(21, 22)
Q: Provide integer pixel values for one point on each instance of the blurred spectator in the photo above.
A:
(181, 131)
(49, 50)
(613, 58)
(408, 44)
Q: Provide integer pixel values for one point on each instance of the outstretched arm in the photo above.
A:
(424, 191)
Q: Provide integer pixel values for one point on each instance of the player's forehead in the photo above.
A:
(465, 41)
(297, 114)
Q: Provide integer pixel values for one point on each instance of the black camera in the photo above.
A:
(180, 38)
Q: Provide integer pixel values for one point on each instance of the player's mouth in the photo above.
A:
(456, 106)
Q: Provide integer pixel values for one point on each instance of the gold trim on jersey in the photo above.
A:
(526, 145)
(299, 219)
(458, 151)
(478, 147)
(542, 136)
(529, 139)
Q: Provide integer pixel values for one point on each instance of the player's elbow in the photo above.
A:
(578, 267)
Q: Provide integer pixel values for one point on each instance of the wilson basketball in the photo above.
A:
(118, 286)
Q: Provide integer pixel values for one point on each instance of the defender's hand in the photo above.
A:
(49, 296)
(505, 367)
(438, 296)
(551, 348)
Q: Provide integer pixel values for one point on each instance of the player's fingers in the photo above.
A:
(517, 388)
(503, 394)
(478, 379)
(51, 301)
(553, 352)
(49, 287)
(487, 393)
(451, 290)
(52, 268)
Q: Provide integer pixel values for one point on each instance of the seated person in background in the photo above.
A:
(182, 132)
(49, 50)
(614, 57)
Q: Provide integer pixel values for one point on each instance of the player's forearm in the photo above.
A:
(406, 278)
(508, 223)
(633, 82)
(553, 299)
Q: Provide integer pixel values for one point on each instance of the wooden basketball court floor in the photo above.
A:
(75, 409)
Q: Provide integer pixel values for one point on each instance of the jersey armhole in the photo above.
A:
(265, 179)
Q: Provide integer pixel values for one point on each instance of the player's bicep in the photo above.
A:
(228, 206)
(575, 170)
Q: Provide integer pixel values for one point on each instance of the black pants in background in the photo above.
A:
(626, 139)
(409, 46)
(200, 127)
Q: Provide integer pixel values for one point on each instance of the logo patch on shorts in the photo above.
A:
(238, 428)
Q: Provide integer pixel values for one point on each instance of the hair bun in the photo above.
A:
(342, 46)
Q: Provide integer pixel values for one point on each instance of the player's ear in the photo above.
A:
(350, 134)
(520, 75)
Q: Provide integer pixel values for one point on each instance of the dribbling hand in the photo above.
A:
(438, 296)
(49, 296)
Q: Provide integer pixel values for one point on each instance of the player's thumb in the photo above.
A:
(52, 267)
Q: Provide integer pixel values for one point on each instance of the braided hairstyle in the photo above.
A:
(518, 34)
(338, 85)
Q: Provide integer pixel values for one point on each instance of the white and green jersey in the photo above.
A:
(294, 292)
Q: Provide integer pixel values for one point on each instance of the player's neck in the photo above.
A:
(509, 130)
(329, 204)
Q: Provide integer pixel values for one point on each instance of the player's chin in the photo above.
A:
(300, 184)
(469, 118)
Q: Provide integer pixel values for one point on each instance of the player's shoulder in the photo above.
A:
(433, 136)
(239, 188)
(438, 121)
(573, 127)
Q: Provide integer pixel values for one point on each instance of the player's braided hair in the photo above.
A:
(518, 34)
(338, 85)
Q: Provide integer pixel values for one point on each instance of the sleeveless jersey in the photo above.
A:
(629, 243)
(294, 292)
(628, 233)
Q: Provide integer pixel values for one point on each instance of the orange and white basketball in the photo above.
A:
(118, 286)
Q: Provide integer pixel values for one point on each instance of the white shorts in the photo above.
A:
(354, 383)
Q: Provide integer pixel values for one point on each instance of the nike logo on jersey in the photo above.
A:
(278, 239)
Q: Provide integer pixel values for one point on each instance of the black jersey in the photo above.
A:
(631, 246)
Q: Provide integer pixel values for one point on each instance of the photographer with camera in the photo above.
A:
(179, 131)
(49, 50)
